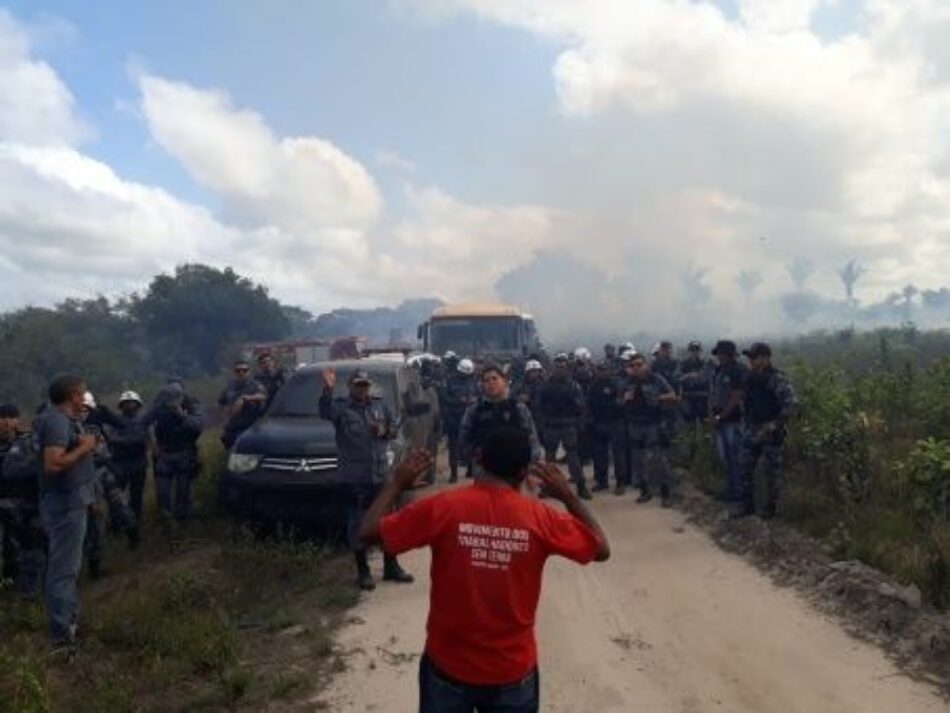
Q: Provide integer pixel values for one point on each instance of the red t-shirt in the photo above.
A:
(489, 544)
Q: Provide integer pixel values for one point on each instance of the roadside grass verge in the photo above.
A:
(205, 617)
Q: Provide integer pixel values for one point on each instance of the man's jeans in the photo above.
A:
(438, 694)
(65, 528)
(729, 445)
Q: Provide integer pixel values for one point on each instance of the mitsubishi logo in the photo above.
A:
(303, 466)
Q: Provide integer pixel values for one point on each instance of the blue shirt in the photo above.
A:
(73, 488)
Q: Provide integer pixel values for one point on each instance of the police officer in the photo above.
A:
(107, 489)
(610, 358)
(665, 365)
(643, 396)
(562, 409)
(528, 392)
(244, 399)
(270, 376)
(494, 407)
(584, 373)
(768, 404)
(725, 406)
(364, 427)
(694, 376)
(461, 390)
(178, 422)
(128, 440)
(24, 542)
(608, 430)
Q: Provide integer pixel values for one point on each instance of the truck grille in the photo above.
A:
(313, 464)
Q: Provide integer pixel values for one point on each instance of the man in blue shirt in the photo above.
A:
(67, 489)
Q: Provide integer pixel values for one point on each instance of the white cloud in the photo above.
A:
(35, 105)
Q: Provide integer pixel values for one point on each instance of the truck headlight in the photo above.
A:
(242, 462)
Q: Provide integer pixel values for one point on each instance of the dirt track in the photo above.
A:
(671, 624)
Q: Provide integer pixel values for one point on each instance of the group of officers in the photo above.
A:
(625, 409)
(79, 466)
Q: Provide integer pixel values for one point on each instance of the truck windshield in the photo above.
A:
(300, 398)
(475, 336)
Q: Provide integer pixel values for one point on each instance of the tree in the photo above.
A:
(193, 318)
(909, 293)
(800, 271)
(850, 274)
(748, 282)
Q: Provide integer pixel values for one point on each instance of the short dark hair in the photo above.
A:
(497, 368)
(507, 453)
(63, 387)
(637, 357)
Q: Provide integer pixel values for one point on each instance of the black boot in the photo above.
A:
(582, 492)
(364, 579)
(621, 489)
(393, 572)
(746, 508)
(645, 495)
(666, 498)
(599, 487)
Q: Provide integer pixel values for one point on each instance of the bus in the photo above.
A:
(481, 331)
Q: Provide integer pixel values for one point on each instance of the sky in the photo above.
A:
(627, 158)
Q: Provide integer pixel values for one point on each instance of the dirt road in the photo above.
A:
(671, 624)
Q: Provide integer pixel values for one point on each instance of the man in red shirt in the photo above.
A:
(489, 544)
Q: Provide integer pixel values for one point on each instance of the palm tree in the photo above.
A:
(800, 270)
(850, 274)
(748, 281)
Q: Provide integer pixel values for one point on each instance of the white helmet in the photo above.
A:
(656, 349)
(627, 347)
(628, 354)
(533, 365)
(89, 401)
(449, 355)
(130, 396)
(582, 354)
(466, 366)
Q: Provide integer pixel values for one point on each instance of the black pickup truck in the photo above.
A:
(284, 468)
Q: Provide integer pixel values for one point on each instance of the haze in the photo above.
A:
(631, 164)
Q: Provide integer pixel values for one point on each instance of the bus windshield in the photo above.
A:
(475, 336)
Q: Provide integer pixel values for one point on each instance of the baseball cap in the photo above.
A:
(758, 349)
(725, 346)
(695, 346)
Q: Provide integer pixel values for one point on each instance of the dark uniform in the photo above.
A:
(460, 391)
(608, 429)
(694, 376)
(669, 369)
(584, 374)
(271, 381)
(643, 411)
(128, 440)
(249, 412)
(24, 541)
(528, 392)
(728, 379)
(363, 434)
(769, 401)
(485, 415)
(562, 410)
(178, 423)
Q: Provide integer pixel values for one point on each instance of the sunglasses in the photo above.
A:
(242, 370)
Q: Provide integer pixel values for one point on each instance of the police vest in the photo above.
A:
(171, 433)
(490, 415)
(762, 404)
(559, 400)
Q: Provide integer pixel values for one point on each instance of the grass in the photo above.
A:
(198, 619)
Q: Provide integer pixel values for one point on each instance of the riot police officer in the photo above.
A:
(270, 376)
(460, 391)
(643, 396)
(562, 409)
(178, 423)
(768, 404)
(364, 427)
(694, 375)
(608, 430)
(245, 401)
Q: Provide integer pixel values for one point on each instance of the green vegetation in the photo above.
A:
(868, 455)
(188, 324)
(202, 618)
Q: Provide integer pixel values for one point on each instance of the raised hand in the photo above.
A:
(553, 481)
(416, 464)
(329, 378)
